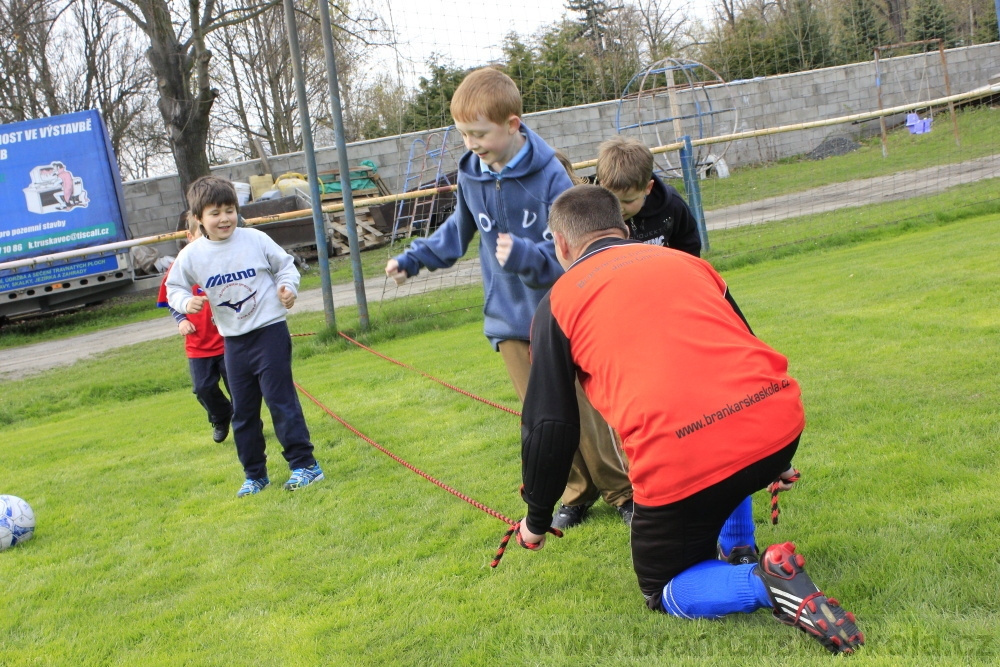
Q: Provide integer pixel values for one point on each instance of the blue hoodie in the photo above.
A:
(515, 202)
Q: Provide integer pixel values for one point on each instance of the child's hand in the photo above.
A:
(185, 328)
(504, 245)
(392, 270)
(287, 297)
(195, 304)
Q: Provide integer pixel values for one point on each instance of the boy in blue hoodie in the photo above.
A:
(507, 181)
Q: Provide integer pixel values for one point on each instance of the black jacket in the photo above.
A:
(666, 220)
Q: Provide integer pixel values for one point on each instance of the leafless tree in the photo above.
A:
(71, 55)
(257, 98)
(660, 25)
(180, 59)
(28, 75)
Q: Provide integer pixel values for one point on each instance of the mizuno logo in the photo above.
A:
(238, 306)
(223, 278)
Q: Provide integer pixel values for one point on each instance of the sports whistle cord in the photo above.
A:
(458, 494)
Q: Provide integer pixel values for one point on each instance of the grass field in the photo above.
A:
(144, 556)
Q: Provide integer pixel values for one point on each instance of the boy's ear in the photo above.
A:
(649, 186)
(513, 124)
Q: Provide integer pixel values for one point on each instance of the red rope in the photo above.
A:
(514, 525)
(459, 494)
(775, 488)
(431, 377)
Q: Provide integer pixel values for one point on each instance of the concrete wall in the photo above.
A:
(153, 205)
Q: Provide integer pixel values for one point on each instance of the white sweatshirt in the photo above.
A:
(240, 275)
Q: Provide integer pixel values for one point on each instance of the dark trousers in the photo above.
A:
(668, 539)
(259, 365)
(205, 375)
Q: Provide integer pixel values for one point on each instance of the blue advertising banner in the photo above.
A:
(59, 186)
(58, 273)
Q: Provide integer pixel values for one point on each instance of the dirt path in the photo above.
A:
(30, 359)
(27, 360)
(901, 185)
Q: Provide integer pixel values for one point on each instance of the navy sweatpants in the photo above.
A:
(205, 375)
(259, 365)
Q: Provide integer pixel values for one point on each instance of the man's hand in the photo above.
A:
(787, 479)
(185, 328)
(287, 297)
(504, 245)
(195, 304)
(528, 539)
(392, 270)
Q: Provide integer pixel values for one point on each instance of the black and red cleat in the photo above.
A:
(798, 602)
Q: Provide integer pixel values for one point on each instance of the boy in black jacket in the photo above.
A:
(654, 211)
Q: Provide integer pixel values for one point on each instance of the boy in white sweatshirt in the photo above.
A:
(250, 282)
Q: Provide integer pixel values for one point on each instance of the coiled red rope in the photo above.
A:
(514, 525)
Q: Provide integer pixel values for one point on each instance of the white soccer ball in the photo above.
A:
(17, 521)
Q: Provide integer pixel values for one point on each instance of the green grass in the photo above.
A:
(979, 129)
(143, 555)
(749, 244)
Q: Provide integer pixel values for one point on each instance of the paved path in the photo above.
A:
(30, 359)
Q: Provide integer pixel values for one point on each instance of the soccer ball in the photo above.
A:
(17, 521)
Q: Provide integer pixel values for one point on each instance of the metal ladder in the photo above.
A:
(418, 215)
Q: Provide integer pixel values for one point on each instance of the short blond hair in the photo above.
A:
(623, 164)
(489, 93)
(584, 209)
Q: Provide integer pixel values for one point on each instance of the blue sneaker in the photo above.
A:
(304, 477)
(252, 486)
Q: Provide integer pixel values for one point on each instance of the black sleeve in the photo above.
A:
(685, 235)
(732, 302)
(550, 422)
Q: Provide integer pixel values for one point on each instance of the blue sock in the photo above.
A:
(738, 531)
(712, 589)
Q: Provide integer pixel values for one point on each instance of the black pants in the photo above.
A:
(205, 375)
(668, 539)
(259, 365)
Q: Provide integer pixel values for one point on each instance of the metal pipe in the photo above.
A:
(345, 168)
(881, 118)
(310, 155)
(693, 189)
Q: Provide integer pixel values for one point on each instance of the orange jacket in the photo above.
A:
(665, 356)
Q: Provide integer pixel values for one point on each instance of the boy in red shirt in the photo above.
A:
(204, 347)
